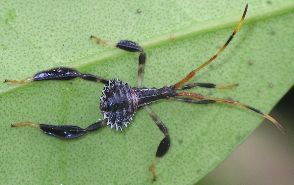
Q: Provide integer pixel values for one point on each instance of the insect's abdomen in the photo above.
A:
(146, 95)
(118, 104)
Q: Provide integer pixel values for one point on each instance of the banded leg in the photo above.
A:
(193, 72)
(163, 146)
(129, 46)
(207, 85)
(63, 131)
(188, 100)
(194, 97)
(59, 73)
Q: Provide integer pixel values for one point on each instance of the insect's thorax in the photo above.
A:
(119, 101)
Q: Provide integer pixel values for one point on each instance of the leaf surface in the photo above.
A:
(177, 36)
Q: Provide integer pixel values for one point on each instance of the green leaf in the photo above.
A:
(177, 36)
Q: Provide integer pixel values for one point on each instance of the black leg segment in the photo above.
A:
(208, 85)
(141, 68)
(130, 46)
(64, 73)
(163, 146)
(187, 100)
(64, 131)
(60, 73)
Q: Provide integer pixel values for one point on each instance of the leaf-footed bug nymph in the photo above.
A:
(119, 101)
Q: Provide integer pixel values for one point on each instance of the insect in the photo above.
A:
(119, 101)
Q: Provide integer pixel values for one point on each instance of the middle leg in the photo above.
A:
(163, 146)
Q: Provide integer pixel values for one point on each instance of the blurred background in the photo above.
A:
(266, 157)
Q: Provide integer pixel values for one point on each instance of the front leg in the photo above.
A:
(63, 131)
(59, 73)
(129, 46)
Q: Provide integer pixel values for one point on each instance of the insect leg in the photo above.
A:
(193, 72)
(129, 46)
(63, 131)
(141, 69)
(188, 100)
(199, 97)
(163, 146)
(126, 45)
(60, 73)
(207, 85)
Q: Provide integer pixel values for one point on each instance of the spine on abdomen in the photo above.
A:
(147, 96)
